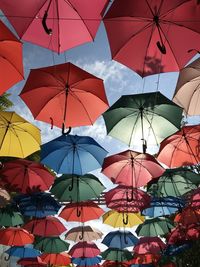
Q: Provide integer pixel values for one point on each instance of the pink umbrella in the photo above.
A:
(131, 168)
(84, 250)
(149, 245)
(193, 198)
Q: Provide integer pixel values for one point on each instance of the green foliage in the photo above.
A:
(5, 102)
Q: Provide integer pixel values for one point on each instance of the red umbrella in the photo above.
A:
(56, 259)
(14, 236)
(84, 250)
(149, 245)
(25, 176)
(77, 96)
(131, 168)
(188, 216)
(118, 199)
(36, 262)
(108, 263)
(11, 63)
(49, 226)
(81, 212)
(153, 36)
(181, 148)
(144, 259)
(56, 25)
(193, 198)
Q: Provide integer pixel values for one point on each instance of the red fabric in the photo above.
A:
(56, 259)
(149, 245)
(84, 250)
(108, 263)
(36, 262)
(14, 236)
(188, 216)
(144, 259)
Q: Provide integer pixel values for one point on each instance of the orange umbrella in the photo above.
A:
(188, 216)
(14, 236)
(56, 259)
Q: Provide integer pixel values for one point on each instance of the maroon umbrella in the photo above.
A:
(153, 36)
(84, 250)
(118, 199)
(193, 198)
(55, 24)
(131, 168)
(37, 262)
(149, 245)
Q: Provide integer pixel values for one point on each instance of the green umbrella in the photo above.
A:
(174, 182)
(149, 117)
(51, 244)
(9, 216)
(114, 254)
(84, 187)
(154, 227)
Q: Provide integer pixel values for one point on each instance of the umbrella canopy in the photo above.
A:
(83, 233)
(26, 176)
(122, 219)
(188, 216)
(84, 250)
(149, 245)
(154, 227)
(51, 244)
(56, 259)
(141, 35)
(149, 117)
(11, 63)
(186, 93)
(18, 137)
(131, 168)
(163, 206)
(174, 183)
(120, 239)
(84, 187)
(36, 262)
(10, 216)
(14, 236)
(23, 252)
(115, 254)
(173, 250)
(77, 96)
(73, 154)
(193, 198)
(86, 261)
(56, 25)
(49, 226)
(109, 263)
(181, 148)
(145, 259)
(81, 212)
(120, 199)
(37, 205)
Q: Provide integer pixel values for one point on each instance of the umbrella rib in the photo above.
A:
(150, 124)
(133, 128)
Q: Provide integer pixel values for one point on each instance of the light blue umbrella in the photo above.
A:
(22, 252)
(120, 239)
(86, 261)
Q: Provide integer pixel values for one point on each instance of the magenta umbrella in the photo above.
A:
(131, 168)
(149, 245)
(55, 24)
(84, 250)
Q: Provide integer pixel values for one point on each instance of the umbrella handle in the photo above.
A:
(78, 212)
(129, 199)
(70, 188)
(44, 24)
(7, 259)
(161, 47)
(63, 130)
(125, 220)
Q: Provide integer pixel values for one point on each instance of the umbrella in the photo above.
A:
(131, 168)
(173, 250)
(144, 259)
(186, 93)
(14, 236)
(56, 259)
(81, 212)
(174, 183)
(122, 219)
(26, 176)
(83, 233)
(84, 187)
(73, 154)
(56, 25)
(36, 262)
(154, 227)
(37, 205)
(84, 250)
(163, 206)
(149, 117)
(120, 199)
(193, 198)
(4, 197)
(149, 245)
(86, 261)
(51, 244)
(18, 137)
(109, 263)
(22, 252)
(11, 63)
(153, 37)
(120, 239)
(181, 148)
(49, 226)
(188, 216)
(115, 254)
(9, 216)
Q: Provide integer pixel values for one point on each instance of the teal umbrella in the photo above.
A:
(51, 244)
(115, 254)
(9, 216)
(149, 117)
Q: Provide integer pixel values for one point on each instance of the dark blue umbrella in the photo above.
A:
(73, 154)
(120, 239)
(37, 205)
(23, 252)
(173, 250)
(163, 206)
(86, 261)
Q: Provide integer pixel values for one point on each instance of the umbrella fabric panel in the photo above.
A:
(23, 252)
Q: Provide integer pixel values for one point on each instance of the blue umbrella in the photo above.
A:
(37, 205)
(86, 261)
(163, 206)
(23, 252)
(73, 154)
(120, 239)
(173, 250)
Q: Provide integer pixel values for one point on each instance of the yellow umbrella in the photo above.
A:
(18, 137)
(122, 219)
